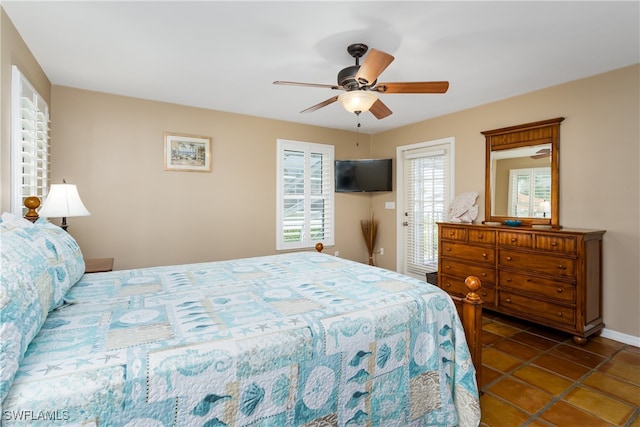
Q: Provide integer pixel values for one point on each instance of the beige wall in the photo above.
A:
(112, 148)
(13, 51)
(599, 170)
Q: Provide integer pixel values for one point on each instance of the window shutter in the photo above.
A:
(528, 189)
(29, 143)
(428, 200)
(542, 191)
(305, 195)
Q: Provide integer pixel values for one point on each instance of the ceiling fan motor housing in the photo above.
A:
(347, 78)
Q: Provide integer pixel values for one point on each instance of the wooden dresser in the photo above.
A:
(552, 277)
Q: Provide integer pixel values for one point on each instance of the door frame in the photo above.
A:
(400, 194)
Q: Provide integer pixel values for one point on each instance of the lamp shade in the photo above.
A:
(357, 100)
(63, 201)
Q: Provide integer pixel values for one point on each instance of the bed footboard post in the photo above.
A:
(472, 324)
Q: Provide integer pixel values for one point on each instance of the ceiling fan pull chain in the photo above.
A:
(357, 128)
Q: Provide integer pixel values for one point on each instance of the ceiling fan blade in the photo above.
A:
(282, 82)
(320, 105)
(374, 64)
(380, 110)
(541, 154)
(412, 87)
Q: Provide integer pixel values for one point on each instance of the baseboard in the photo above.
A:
(620, 337)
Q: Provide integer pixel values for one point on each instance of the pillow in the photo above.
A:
(9, 221)
(39, 263)
(59, 248)
(66, 262)
(26, 295)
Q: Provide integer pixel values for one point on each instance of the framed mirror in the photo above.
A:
(522, 174)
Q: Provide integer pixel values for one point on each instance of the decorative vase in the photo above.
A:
(370, 232)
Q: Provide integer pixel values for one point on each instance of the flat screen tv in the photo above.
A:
(364, 175)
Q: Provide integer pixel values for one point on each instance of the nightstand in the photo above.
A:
(98, 265)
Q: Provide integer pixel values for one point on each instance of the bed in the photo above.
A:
(296, 339)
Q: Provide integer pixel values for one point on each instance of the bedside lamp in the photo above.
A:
(63, 201)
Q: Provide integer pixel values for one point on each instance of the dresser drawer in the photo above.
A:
(519, 305)
(482, 236)
(564, 292)
(565, 244)
(469, 253)
(460, 269)
(520, 240)
(547, 264)
(454, 233)
(455, 286)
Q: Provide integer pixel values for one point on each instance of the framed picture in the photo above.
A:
(187, 153)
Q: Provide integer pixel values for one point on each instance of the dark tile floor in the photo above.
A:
(533, 376)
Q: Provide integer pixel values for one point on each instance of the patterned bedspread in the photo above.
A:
(285, 340)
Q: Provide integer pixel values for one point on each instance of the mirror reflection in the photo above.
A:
(522, 174)
(521, 182)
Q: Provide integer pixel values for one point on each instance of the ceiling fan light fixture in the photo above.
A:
(357, 100)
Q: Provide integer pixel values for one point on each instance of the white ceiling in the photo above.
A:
(226, 55)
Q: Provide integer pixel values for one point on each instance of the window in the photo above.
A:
(304, 195)
(29, 142)
(427, 181)
(529, 192)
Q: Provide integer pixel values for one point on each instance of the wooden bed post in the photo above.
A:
(31, 203)
(472, 324)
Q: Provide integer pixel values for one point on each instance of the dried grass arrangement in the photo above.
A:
(370, 233)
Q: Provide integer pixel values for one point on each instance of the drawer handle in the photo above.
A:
(554, 243)
(452, 233)
(480, 236)
(448, 267)
(448, 285)
(559, 290)
(509, 279)
(484, 294)
(513, 239)
(484, 274)
(528, 279)
(559, 314)
(562, 267)
(484, 255)
(508, 299)
(508, 258)
(448, 249)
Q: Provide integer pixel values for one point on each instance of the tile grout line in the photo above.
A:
(574, 383)
(535, 416)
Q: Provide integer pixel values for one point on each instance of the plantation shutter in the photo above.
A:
(428, 192)
(528, 190)
(29, 142)
(305, 199)
(541, 191)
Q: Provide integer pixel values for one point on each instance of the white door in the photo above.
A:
(425, 183)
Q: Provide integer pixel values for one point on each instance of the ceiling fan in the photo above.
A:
(360, 83)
